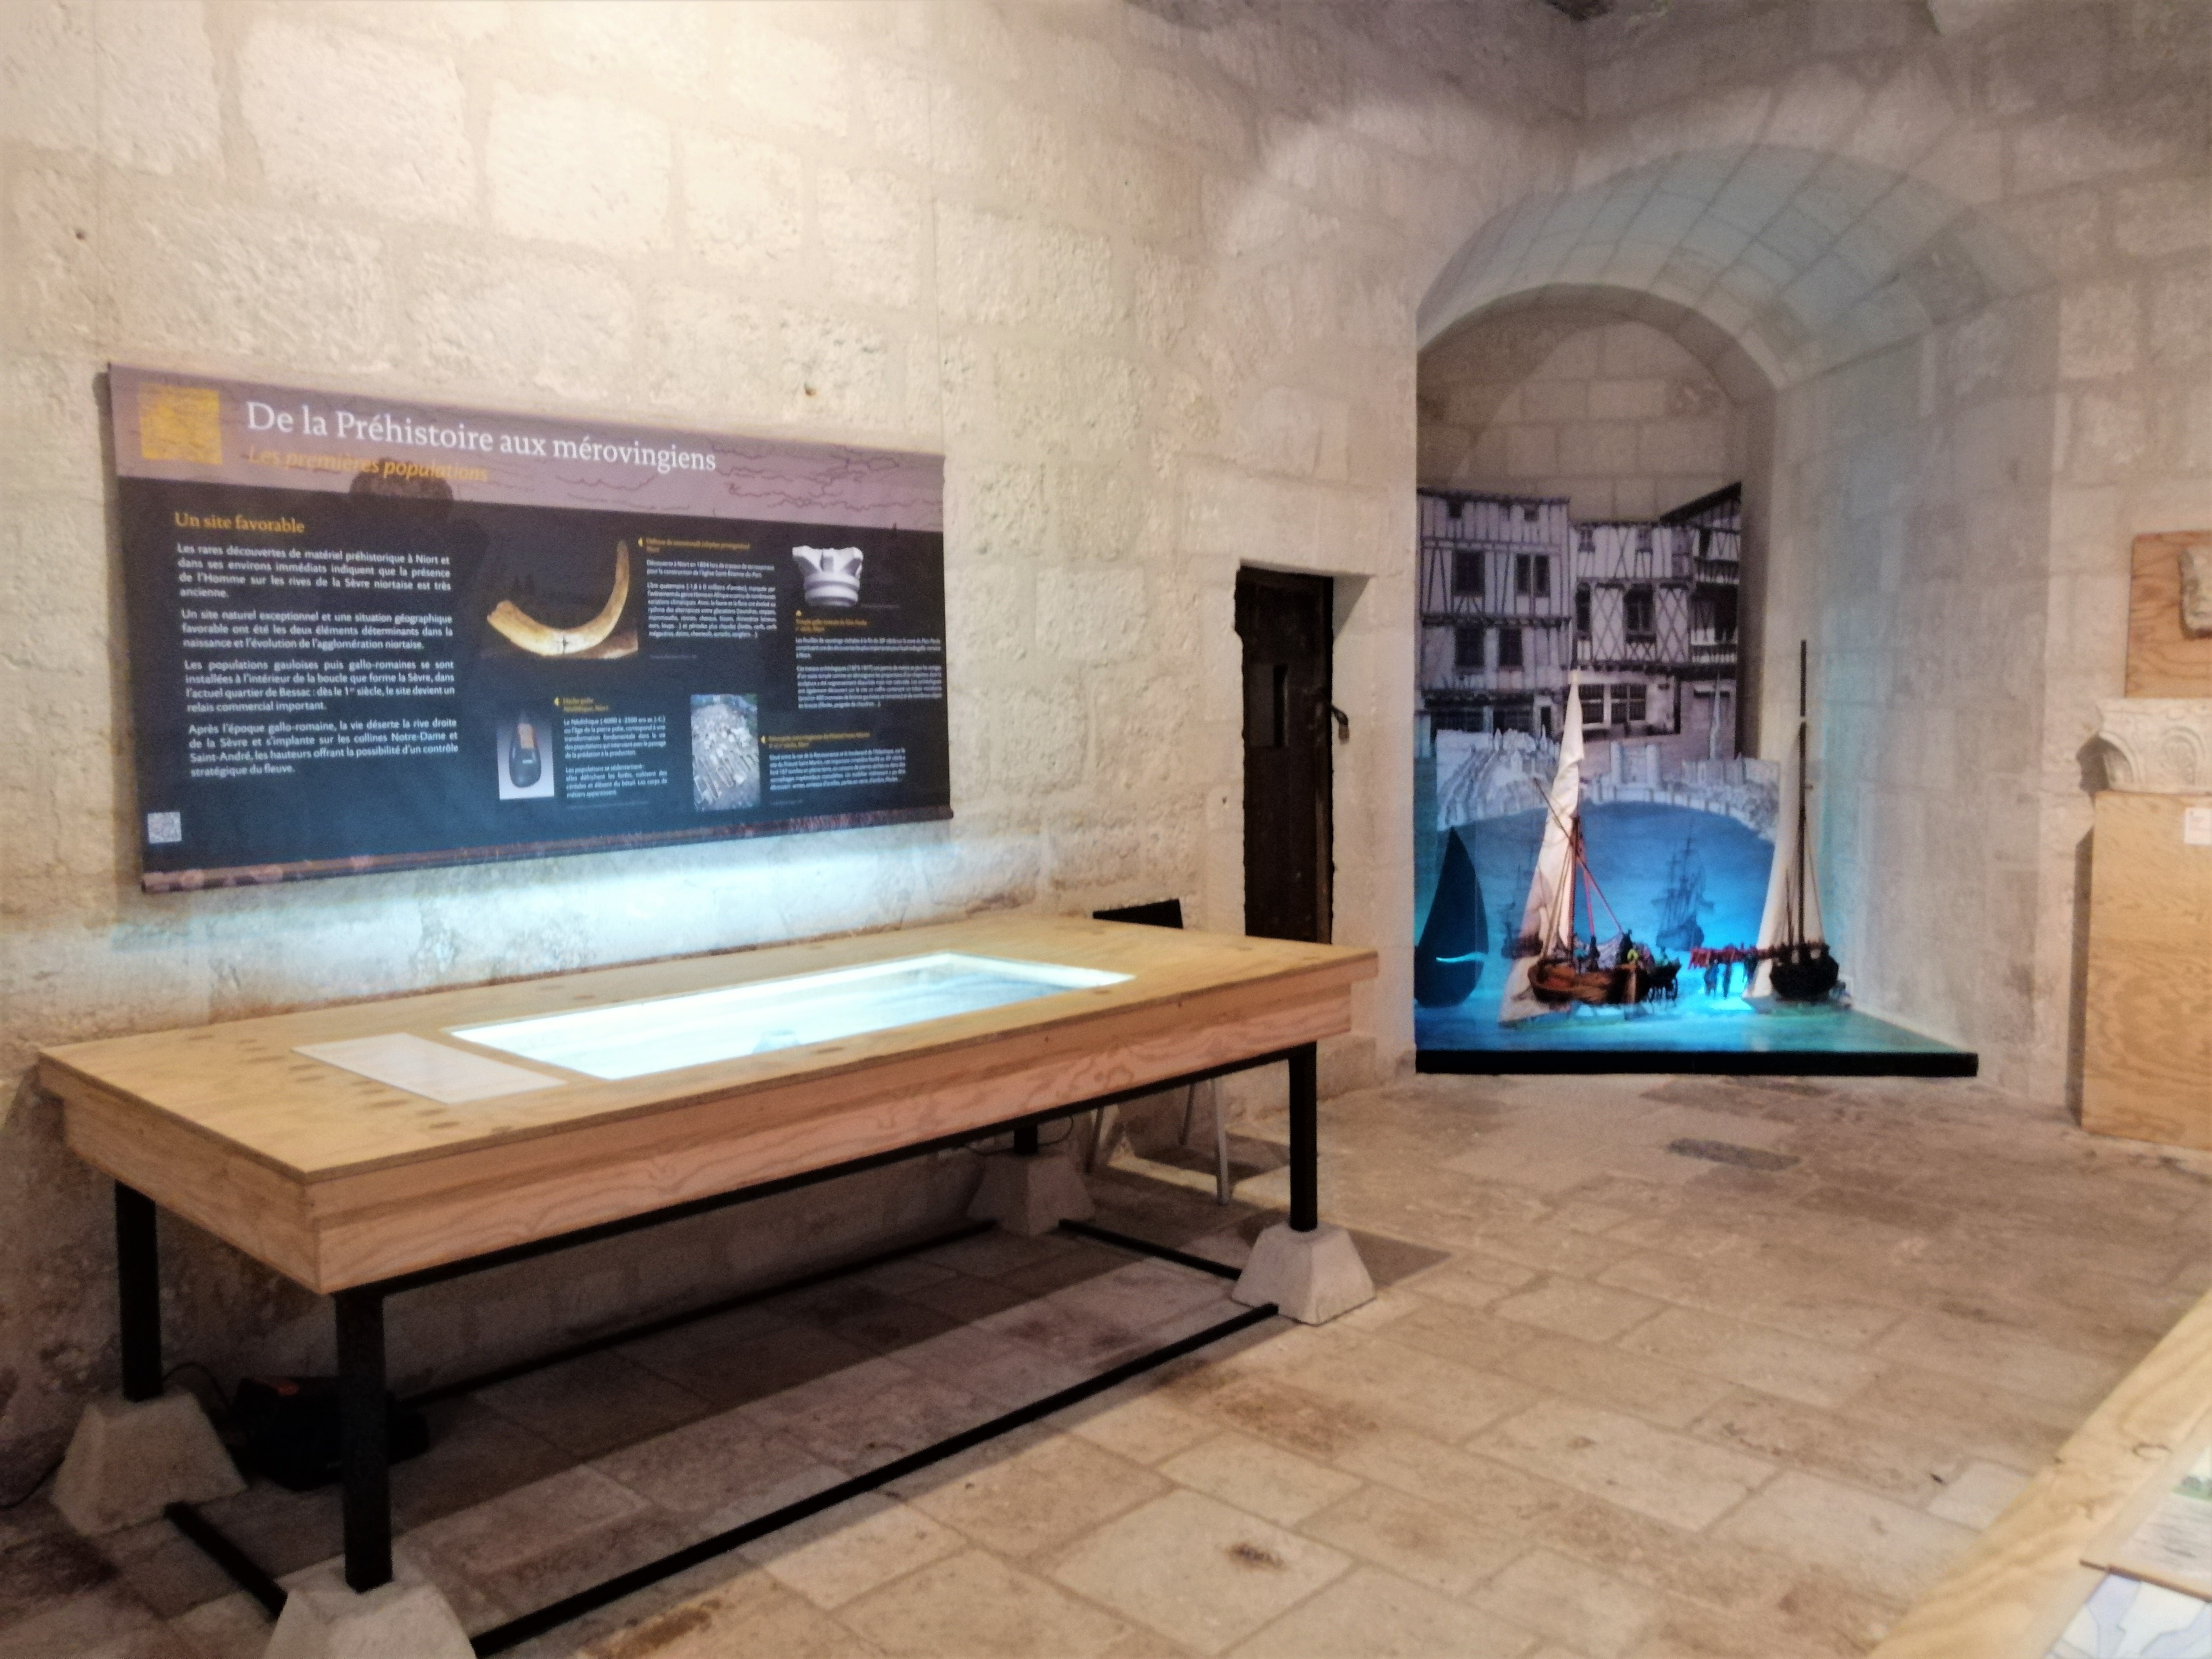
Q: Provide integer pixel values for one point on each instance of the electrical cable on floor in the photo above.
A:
(214, 1383)
(32, 1492)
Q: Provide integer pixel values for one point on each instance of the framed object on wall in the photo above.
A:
(368, 634)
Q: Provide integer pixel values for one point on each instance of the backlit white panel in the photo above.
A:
(421, 1067)
(636, 1039)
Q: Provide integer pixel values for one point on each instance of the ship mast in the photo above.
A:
(1798, 937)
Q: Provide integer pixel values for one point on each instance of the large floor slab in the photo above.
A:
(1614, 1400)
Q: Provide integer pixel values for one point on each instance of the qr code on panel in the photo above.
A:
(164, 829)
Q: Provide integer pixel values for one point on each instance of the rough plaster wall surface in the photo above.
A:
(1972, 266)
(1615, 415)
(1144, 274)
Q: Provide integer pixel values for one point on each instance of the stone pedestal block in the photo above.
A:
(1310, 1277)
(407, 1619)
(1030, 1193)
(131, 1458)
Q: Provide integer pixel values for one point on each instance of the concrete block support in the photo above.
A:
(407, 1619)
(1311, 1276)
(1029, 1194)
(130, 1459)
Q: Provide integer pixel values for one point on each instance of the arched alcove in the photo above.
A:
(1891, 357)
(1607, 411)
(1800, 262)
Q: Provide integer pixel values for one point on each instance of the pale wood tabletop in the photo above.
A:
(332, 1177)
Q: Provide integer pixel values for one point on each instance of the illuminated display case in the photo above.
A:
(636, 1039)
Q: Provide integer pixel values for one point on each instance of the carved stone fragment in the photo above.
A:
(2157, 746)
(2196, 591)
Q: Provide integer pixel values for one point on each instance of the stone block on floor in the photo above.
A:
(1031, 1193)
(1310, 1275)
(130, 1459)
(406, 1619)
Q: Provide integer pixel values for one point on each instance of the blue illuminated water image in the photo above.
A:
(1675, 877)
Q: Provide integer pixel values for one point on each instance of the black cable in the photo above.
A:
(32, 1491)
(214, 1382)
(984, 1145)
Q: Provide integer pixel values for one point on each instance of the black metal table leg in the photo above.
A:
(364, 1458)
(1025, 1140)
(1305, 1149)
(138, 1292)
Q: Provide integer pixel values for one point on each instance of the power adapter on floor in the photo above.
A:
(292, 1432)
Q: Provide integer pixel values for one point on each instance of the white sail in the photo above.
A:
(1781, 879)
(1548, 915)
(1777, 921)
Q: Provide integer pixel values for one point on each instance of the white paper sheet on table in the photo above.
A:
(454, 1077)
(2127, 1618)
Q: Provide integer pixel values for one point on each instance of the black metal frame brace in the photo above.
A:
(639, 1332)
(219, 1547)
(359, 1311)
(249, 1574)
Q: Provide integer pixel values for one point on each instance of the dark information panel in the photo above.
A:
(367, 635)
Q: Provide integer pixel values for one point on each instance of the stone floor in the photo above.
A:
(1658, 1368)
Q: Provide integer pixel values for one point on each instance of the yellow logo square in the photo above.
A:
(180, 424)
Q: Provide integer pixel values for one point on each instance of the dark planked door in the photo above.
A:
(1285, 623)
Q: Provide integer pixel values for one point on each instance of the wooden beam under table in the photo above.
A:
(338, 1180)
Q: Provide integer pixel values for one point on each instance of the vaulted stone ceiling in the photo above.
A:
(1775, 257)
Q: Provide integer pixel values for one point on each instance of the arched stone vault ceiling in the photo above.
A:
(1804, 261)
(1740, 374)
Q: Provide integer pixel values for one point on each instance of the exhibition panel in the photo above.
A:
(373, 633)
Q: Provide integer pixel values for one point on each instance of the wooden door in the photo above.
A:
(1285, 623)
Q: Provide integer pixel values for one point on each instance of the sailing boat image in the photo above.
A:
(1550, 971)
(1447, 962)
(1683, 898)
(1794, 964)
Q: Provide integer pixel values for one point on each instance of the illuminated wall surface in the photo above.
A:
(1152, 277)
(637, 1039)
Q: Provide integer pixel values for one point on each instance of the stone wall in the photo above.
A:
(1144, 274)
(1964, 251)
(1151, 277)
(1619, 418)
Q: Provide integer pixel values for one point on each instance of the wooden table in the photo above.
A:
(2013, 1592)
(362, 1190)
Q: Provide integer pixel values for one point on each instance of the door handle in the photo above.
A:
(1343, 723)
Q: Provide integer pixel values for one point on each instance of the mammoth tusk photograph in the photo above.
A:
(595, 639)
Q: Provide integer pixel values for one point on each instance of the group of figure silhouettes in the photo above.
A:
(1629, 954)
(1720, 968)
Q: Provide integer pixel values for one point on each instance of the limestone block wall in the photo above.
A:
(1953, 518)
(1144, 273)
(1612, 413)
(1964, 251)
